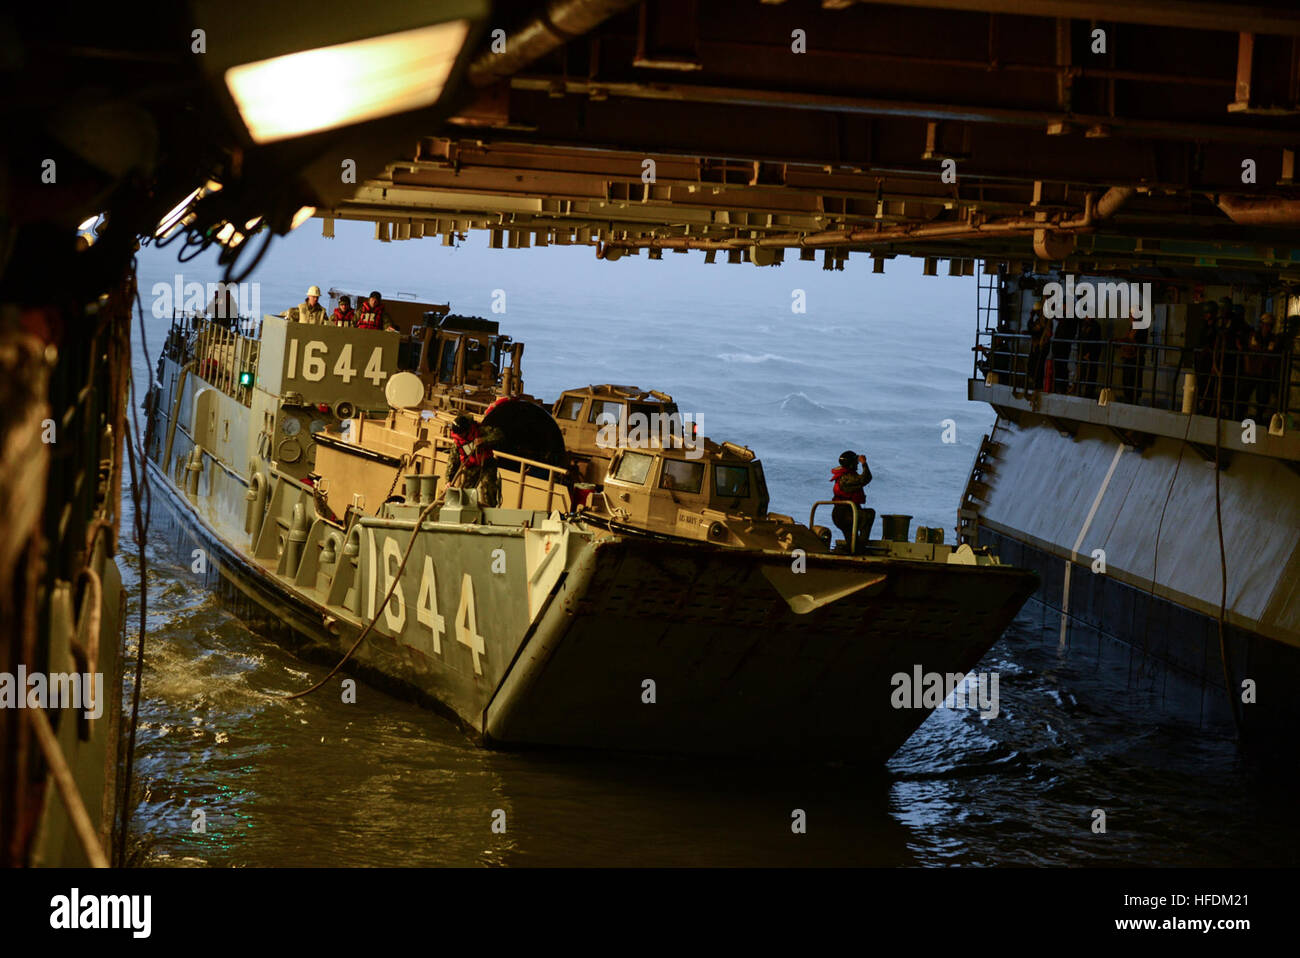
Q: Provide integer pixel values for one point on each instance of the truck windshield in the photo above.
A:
(604, 411)
(569, 407)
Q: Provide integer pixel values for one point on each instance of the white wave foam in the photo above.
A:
(752, 358)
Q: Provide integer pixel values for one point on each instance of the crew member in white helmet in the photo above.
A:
(312, 311)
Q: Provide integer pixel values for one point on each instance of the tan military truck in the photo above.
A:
(596, 420)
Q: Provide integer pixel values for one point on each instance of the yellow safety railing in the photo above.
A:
(551, 472)
(836, 502)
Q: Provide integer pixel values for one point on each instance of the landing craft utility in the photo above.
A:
(311, 461)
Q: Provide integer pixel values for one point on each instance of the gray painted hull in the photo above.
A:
(735, 671)
(1159, 595)
(533, 629)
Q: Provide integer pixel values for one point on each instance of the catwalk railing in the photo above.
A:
(1256, 383)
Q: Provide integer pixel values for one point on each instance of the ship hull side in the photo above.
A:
(1138, 533)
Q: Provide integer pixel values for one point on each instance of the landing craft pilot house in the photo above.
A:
(464, 360)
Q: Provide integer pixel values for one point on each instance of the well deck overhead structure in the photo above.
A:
(1087, 135)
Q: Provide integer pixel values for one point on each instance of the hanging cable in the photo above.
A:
(1155, 555)
(397, 578)
(197, 242)
(229, 277)
(141, 503)
(1221, 349)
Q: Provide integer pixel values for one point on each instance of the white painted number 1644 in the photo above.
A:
(313, 362)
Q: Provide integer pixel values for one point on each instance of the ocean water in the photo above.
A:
(876, 364)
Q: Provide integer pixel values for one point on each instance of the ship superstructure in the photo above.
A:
(1167, 525)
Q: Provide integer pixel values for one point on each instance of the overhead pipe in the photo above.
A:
(864, 237)
(1094, 210)
(1260, 210)
(559, 22)
(1112, 200)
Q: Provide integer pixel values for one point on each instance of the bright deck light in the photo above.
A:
(347, 83)
(302, 216)
(177, 214)
(173, 218)
(229, 236)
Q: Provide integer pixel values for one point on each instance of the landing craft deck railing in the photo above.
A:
(457, 402)
(225, 353)
(812, 515)
(523, 475)
(551, 472)
(1249, 382)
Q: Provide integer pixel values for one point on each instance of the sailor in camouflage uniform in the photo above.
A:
(471, 465)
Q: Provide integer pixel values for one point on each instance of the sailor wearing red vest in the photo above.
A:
(370, 315)
(471, 464)
(850, 486)
(344, 315)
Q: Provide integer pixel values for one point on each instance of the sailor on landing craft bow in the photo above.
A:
(851, 486)
(344, 315)
(370, 314)
(471, 464)
(311, 311)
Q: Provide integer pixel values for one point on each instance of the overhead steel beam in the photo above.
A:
(866, 106)
(879, 145)
(1194, 14)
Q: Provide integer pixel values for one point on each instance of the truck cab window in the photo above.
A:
(570, 407)
(682, 476)
(604, 411)
(447, 361)
(731, 482)
(633, 467)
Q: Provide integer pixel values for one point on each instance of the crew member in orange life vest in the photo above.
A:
(471, 464)
(343, 313)
(370, 314)
(850, 486)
